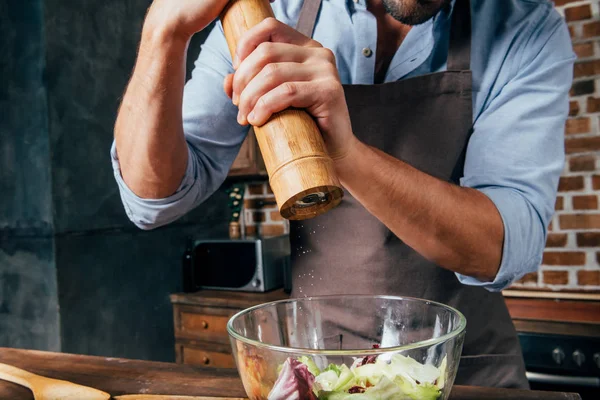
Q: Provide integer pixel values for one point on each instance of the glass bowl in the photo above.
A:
(348, 348)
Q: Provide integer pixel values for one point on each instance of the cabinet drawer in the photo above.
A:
(199, 324)
(199, 357)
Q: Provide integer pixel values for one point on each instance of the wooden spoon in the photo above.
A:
(50, 389)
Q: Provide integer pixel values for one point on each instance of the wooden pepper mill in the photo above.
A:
(300, 171)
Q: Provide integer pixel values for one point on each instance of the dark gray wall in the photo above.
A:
(29, 315)
(114, 290)
(91, 49)
(28, 293)
(65, 237)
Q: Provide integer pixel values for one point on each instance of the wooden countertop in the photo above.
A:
(227, 299)
(121, 376)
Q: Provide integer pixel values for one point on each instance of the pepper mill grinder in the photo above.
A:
(301, 173)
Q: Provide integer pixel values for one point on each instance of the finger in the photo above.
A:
(271, 76)
(284, 96)
(228, 85)
(265, 54)
(269, 30)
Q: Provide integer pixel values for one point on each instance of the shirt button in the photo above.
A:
(367, 52)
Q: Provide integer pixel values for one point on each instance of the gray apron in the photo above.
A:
(425, 121)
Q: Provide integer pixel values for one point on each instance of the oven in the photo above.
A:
(564, 363)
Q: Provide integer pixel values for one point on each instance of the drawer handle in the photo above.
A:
(590, 381)
(205, 360)
(204, 325)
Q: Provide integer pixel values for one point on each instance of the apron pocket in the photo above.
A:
(492, 370)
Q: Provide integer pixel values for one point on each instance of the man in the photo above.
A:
(444, 119)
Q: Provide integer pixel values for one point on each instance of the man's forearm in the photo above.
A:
(458, 228)
(149, 131)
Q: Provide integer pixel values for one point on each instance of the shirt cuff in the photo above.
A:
(152, 213)
(520, 237)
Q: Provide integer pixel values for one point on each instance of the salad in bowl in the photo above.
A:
(348, 348)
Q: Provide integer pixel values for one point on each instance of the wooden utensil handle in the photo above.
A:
(283, 128)
(16, 375)
(241, 15)
(288, 126)
(290, 142)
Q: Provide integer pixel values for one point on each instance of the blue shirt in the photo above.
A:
(522, 61)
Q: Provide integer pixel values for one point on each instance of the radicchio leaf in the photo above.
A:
(295, 382)
(356, 389)
(369, 359)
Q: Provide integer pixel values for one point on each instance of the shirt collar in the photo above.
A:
(418, 45)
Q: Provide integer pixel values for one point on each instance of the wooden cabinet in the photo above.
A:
(554, 313)
(200, 321)
(249, 161)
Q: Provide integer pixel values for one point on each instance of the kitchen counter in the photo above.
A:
(534, 312)
(121, 376)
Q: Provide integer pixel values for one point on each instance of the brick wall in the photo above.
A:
(572, 258)
(261, 215)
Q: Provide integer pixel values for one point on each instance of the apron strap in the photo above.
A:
(308, 17)
(459, 50)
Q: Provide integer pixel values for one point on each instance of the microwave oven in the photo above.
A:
(249, 265)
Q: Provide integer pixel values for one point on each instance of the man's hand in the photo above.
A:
(183, 18)
(278, 68)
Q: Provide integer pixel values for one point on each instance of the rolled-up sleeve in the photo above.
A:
(212, 133)
(516, 153)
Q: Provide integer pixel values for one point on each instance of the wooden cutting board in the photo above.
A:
(52, 389)
(121, 376)
(162, 397)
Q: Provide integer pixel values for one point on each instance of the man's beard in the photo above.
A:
(414, 12)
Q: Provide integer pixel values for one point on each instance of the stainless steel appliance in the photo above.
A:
(250, 264)
(566, 363)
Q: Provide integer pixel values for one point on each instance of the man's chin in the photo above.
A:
(414, 12)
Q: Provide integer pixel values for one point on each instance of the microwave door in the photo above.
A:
(220, 265)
